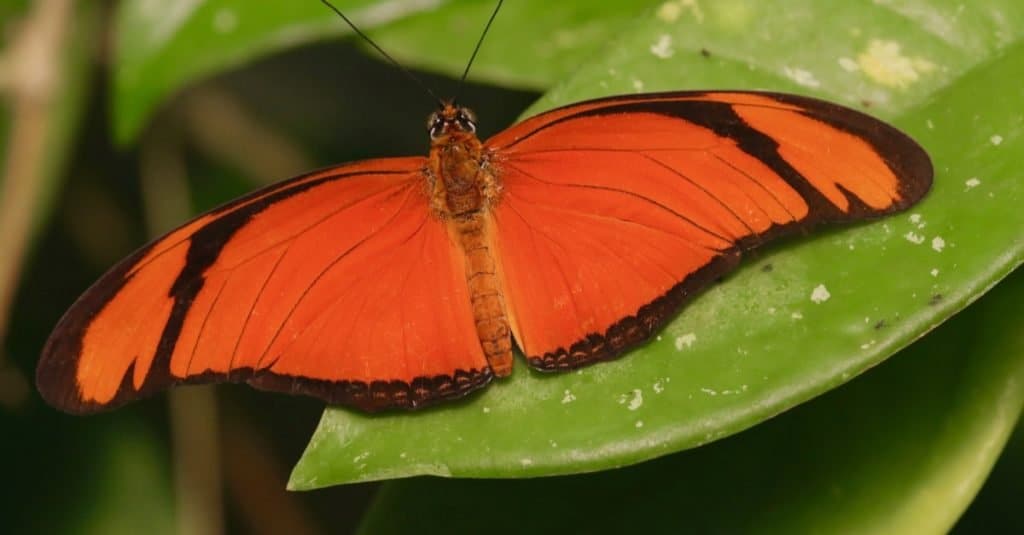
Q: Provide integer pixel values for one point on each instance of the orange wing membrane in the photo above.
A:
(339, 284)
(400, 282)
(614, 212)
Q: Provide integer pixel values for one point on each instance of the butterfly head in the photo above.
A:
(451, 120)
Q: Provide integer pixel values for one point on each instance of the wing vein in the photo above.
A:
(631, 194)
(722, 203)
(401, 308)
(339, 298)
(522, 155)
(612, 253)
(202, 328)
(326, 268)
(561, 269)
(259, 294)
(387, 192)
(255, 196)
(759, 184)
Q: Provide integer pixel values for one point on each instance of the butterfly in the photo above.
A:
(397, 283)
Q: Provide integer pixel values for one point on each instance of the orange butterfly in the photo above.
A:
(400, 282)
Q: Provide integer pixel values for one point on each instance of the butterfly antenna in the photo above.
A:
(478, 43)
(382, 52)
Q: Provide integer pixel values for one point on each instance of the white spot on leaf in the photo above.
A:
(801, 76)
(848, 65)
(685, 340)
(938, 244)
(636, 401)
(916, 239)
(663, 47)
(884, 63)
(820, 294)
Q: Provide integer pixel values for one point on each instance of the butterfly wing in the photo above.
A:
(614, 212)
(338, 284)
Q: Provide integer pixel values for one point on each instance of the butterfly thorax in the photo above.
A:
(461, 181)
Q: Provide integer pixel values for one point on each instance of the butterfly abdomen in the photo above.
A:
(489, 312)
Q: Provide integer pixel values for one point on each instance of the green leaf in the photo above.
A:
(902, 449)
(163, 47)
(998, 502)
(549, 39)
(758, 344)
(885, 56)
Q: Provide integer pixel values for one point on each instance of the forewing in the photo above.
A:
(338, 284)
(614, 212)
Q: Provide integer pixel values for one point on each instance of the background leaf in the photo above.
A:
(163, 47)
(998, 503)
(532, 43)
(901, 449)
(758, 344)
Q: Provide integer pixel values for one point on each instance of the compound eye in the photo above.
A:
(467, 120)
(436, 130)
(435, 125)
